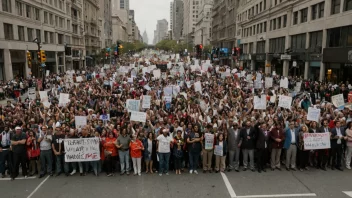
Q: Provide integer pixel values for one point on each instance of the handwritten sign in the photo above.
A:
(79, 79)
(82, 150)
(157, 73)
(285, 101)
(219, 151)
(338, 100)
(146, 102)
(64, 99)
(198, 87)
(31, 93)
(132, 105)
(209, 141)
(313, 114)
(313, 141)
(268, 82)
(259, 103)
(138, 116)
(80, 121)
(284, 83)
(168, 99)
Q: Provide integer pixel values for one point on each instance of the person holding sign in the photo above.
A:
(323, 154)
(58, 148)
(220, 158)
(338, 136)
(208, 145)
(303, 154)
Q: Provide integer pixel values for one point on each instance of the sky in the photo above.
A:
(147, 12)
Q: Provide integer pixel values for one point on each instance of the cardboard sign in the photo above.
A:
(313, 141)
(82, 149)
(138, 116)
(132, 105)
(80, 121)
(313, 114)
(338, 100)
(218, 150)
(268, 82)
(64, 99)
(198, 87)
(285, 102)
(259, 103)
(146, 102)
(209, 141)
(32, 93)
(284, 83)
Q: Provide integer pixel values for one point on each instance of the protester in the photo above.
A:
(136, 148)
(164, 142)
(18, 142)
(123, 144)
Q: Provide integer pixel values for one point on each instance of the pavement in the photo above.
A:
(312, 183)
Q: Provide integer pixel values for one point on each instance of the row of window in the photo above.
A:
(258, 8)
(255, 29)
(278, 23)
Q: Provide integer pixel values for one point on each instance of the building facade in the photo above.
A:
(190, 18)
(57, 25)
(120, 17)
(92, 32)
(145, 37)
(106, 21)
(177, 19)
(161, 31)
(203, 26)
(171, 14)
(308, 38)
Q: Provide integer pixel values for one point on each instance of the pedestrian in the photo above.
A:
(164, 144)
(110, 153)
(303, 153)
(234, 146)
(178, 151)
(46, 158)
(221, 157)
(136, 148)
(290, 144)
(247, 145)
(5, 143)
(149, 144)
(59, 150)
(18, 144)
(123, 142)
(278, 137)
(195, 147)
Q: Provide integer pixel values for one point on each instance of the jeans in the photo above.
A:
(164, 162)
(291, 153)
(137, 165)
(193, 160)
(246, 153)
(124, 159)
(59, 162)
(5, 157)
(234, 159)
(46, 158)
(83, 167)
(336, 156)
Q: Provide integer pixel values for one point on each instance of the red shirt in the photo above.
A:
(136, 148)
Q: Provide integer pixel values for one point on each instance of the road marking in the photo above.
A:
(279, 195)
(228, 185)
(37, 188)
(348, 193)
(6, 179)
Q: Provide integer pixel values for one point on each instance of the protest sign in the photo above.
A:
(268, 82)
(64, 99)
(47, 72)
(80, 121)
(285, 102)
(82, 150)
(44, 98)
(257, 84)
(298, 87)
(31, 93)
(338, 100)
(259, 103)
(198, 86)
(138, 116)
(132, 105)
(167, 99)
(284, 83)
(168, 90)
(313, 141)
(313, 114)
(146, 102)
(209, 141)
(157, 73)
(79, 79)
(104, 117)
(218, 150)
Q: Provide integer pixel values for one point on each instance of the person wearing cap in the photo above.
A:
(46, 157)
(58, 148)
(18, 144)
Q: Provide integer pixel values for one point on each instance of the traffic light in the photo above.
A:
(43, 56)
(29, 59)
(200, 46)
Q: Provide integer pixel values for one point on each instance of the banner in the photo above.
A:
(132, 105)
(64, 99)
(313, 141)
(82, 150)
(209, 141)
(313, 114)
(80, 121)
(31, 93)
(138, 116)
(259, 103)
(146, 102)
(219, 151)
(338, 100)
(285, 102)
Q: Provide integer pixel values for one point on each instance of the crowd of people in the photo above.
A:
(206, 101)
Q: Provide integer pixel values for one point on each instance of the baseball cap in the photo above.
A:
(18, 128)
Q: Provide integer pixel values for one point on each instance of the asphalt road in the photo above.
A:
(313, 183)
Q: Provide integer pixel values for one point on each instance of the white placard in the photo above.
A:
(298, 87)
(198, 87)
(285, 102)
(338, 100)
(157, 73)
(168, 99)
(79, 79)
(82, 150)
(257, 84)
(313, 141)
(32, 93)
(80, 121)
(44, 98)
(313, 114)
(132, 105)
(47, 72)
(64, 99)
(284, 83)
(268, 82)
(138, 116)
(209, 141)
(146, 102)
(219, 151)
(259, 103)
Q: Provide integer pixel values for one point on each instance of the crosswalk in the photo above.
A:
(348, 193)
(20, 178)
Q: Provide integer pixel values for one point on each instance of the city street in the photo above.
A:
(313, 183)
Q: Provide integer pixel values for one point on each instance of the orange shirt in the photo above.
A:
(109, 145)
(136, 149)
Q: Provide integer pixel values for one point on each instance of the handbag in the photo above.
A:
(33, 153)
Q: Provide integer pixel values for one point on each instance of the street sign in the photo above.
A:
(285, 57)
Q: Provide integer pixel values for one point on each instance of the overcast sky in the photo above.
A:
(147, 12)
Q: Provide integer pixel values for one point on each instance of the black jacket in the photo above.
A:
(245, 142)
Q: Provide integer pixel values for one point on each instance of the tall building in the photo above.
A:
(171, 14)
(92, 31)
(203, 25)
(177, 19)
(120, 20)
(124, 4)
(145, 37)
(161, 31)
(309, 38)
(55, 24)
(190, 16)
(106, 23)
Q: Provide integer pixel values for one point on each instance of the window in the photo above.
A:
(254, 30)
(20, 33)
(60, 39)
(279, 23)
(264, 27)
(51, 19)
(260, 47)
(277, 45)
(316, 39)
(6, 5)
(52, 37)
(304, 15)
(258, 29)
(321, 9)
(314, 11)
(68, 25)
(295, 18)
(46, 36)
(264, 4)
(28, 11)
(271, 25)
(298, 41)
(46, 17)
(250, 47)
(37, 14)
(19, 8)
(30, 34)
(348, 5)
(261, 28)
(285, 21)
(335, 6)
(38, 34)
(334, 37)
(8, 31)
(274, 24)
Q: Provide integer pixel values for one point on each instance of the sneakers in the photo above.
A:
(139, 174)
(196, 172)
(348, 167)
(160, 174)
(190, 171)
(73, 172)
(109, 175)
(166, 173)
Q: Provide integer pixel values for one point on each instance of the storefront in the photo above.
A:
(276, 63)
(314, 61)
(246, 61)
(297, 64)
(18, 61)
(259, 61)
(338, 64)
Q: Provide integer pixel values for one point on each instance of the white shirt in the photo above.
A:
(293, 136)
(164, 143)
